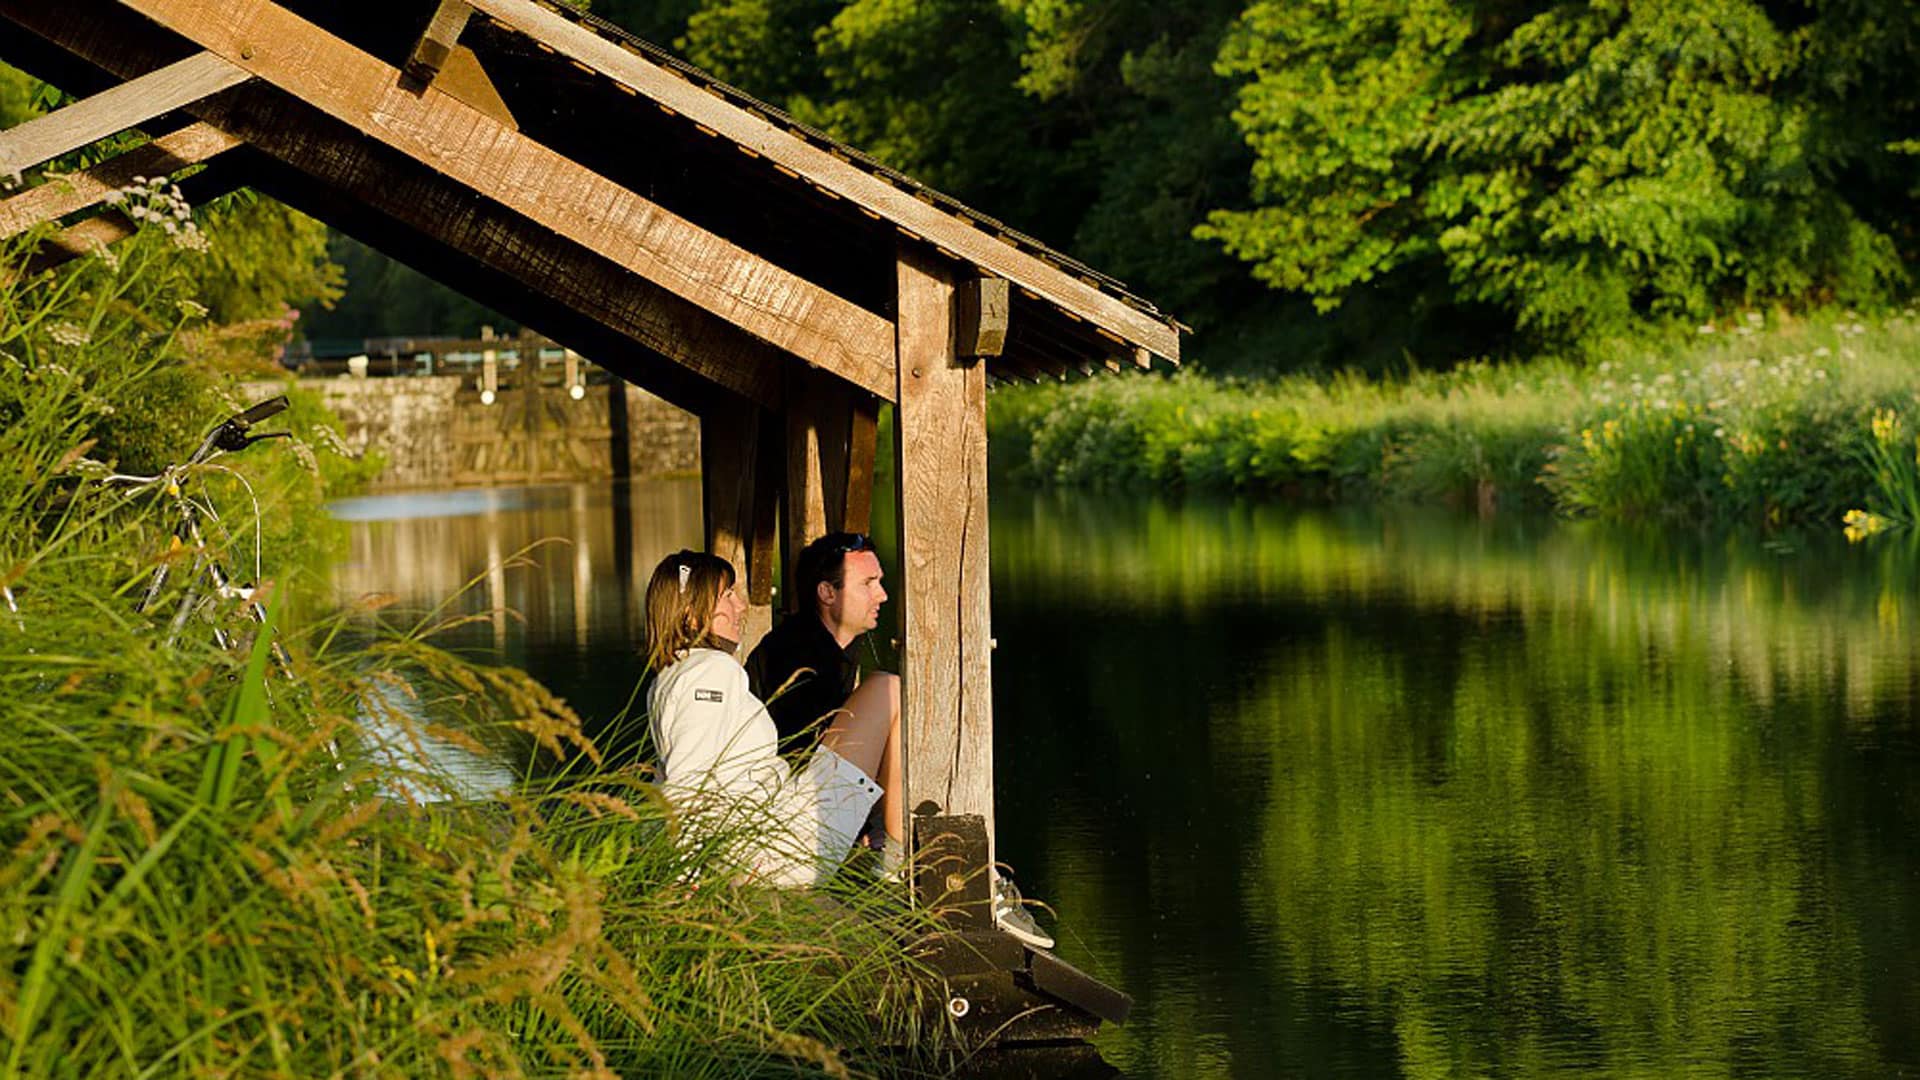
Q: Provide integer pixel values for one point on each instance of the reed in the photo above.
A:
(209, 870)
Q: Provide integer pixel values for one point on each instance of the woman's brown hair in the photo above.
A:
(685, 589)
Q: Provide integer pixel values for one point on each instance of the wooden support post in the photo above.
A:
(941, 448)
(163, 156)
(111, 111)
(740, 482)
(829, 460)
(619, 435)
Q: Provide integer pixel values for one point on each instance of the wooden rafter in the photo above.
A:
(115, 110)
(329, 170)
(537, 182)
(819, 167)
(58, 197)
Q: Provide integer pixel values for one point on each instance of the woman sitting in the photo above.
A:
(719, 751)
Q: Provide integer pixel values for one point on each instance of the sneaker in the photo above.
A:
(1010, 914)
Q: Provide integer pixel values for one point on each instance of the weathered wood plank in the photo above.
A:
(536, 181)
(163, 156)
(839, 177)
(438, 40)
(941, 480)
(740, 504)
(981, 307)
(952, 873)
(112, 111)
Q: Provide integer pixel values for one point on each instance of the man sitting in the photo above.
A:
(805, 670)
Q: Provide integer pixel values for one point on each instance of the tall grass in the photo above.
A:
(1768, 420)
(208, 870)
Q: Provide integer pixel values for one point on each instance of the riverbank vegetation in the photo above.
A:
(208, 869)
(1763, 418)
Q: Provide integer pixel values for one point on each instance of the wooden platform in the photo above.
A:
(998, 989)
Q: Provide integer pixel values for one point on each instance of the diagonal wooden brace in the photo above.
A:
(130, 104)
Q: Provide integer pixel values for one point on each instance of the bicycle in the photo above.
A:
(231, 435)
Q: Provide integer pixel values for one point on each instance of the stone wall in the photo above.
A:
(436, 433)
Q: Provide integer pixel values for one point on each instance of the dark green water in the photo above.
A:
(1387, 795)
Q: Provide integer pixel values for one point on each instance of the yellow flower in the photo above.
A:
(1886, 423)
(1861, 524)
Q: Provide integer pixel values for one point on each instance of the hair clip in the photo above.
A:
(686, 572)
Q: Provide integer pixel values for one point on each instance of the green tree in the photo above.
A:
(1573, 166)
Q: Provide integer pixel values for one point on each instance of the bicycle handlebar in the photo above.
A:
(273, 406)
(232, 433)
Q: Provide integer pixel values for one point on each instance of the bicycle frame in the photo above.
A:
(230, 435)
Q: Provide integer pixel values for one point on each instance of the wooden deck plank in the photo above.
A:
(532, 179)
(111, 111)
(820, 166)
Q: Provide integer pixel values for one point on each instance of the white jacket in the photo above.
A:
(718, 747)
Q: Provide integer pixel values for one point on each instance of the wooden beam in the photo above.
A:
(438, 40)
(497, 256)
(843, 178)
(740, 485)
(980, 309)
(109, 112)
(60, 196)
(534, 180)
(539, 281)
(941, 480)
(830, 438)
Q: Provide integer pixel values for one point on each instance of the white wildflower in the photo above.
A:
(1706, 328)
(1754, 318)
(66, 333)
(1823, 351)
(192, 309)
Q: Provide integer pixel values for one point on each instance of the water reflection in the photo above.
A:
(1374, 795)
(1410, 795)
(544, 578)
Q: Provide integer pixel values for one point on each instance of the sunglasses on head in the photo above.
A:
(854, 542)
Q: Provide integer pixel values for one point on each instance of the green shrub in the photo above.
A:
(1764, 422)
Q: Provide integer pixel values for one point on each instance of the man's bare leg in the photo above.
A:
(866, 731)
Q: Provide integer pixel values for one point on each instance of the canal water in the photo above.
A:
(1379, 794)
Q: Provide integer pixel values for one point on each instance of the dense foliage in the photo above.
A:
(1445, 174)
(1800, 420)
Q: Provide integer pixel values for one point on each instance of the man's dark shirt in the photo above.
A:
(801, 641)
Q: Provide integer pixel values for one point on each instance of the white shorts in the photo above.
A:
(823, 808)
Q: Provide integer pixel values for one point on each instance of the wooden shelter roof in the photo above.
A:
(584, 181)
